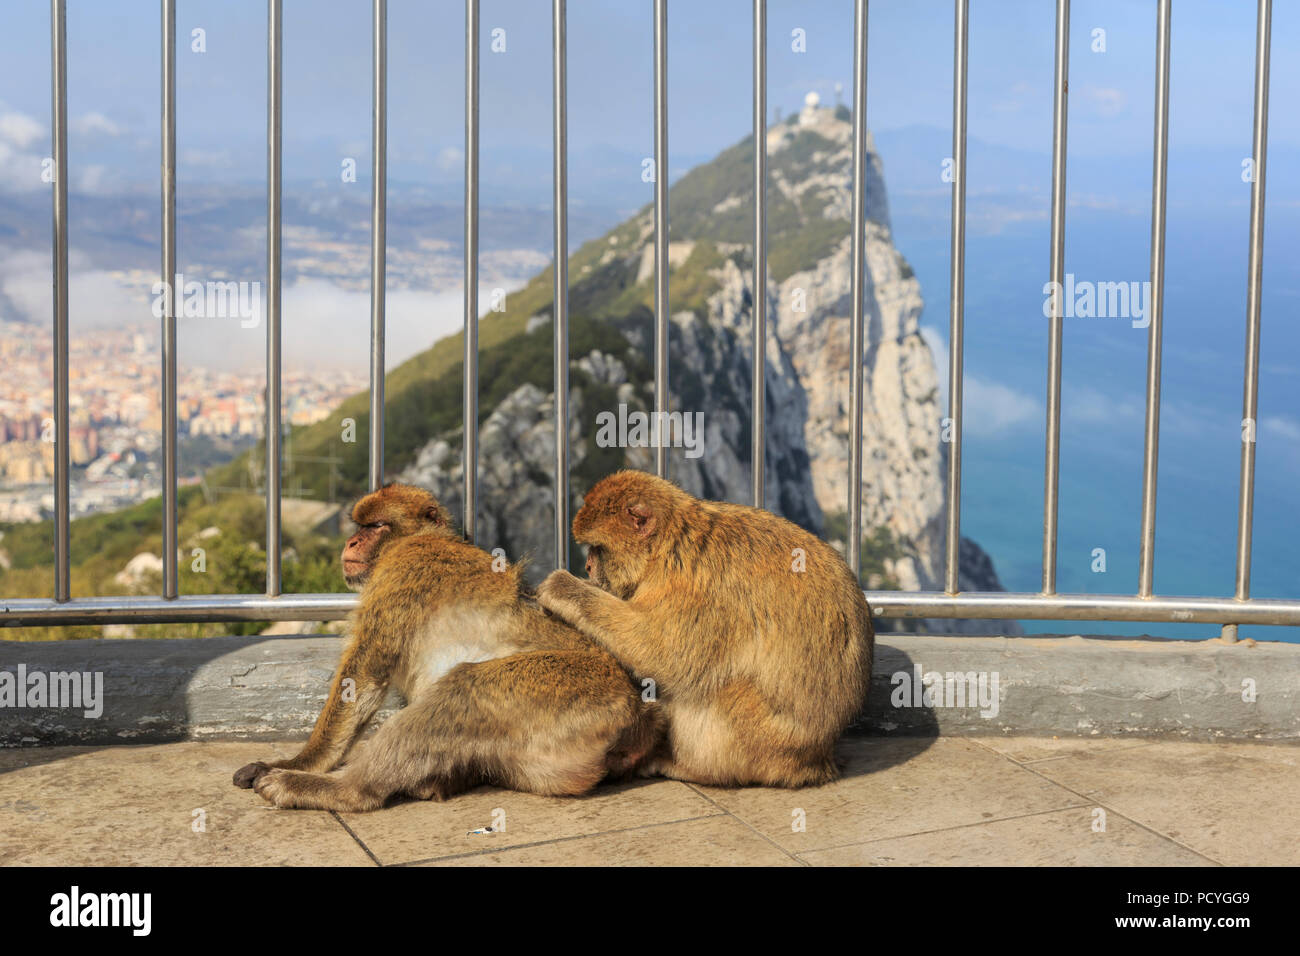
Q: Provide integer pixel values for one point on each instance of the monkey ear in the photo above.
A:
(432, 513)
(641, 518)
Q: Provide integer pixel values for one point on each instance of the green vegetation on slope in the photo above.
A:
(423, 395)
(878, 546)
(221, 553)
(799, 234)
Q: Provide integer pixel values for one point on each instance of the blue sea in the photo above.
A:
(1103, 398)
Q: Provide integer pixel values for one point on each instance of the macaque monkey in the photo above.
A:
(497, 691)
(756, 633)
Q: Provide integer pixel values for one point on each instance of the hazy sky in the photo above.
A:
(114, 87)
(114, 80)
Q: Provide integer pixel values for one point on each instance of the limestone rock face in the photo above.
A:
(809, 369)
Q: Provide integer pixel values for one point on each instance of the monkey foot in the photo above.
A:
(270, 786)
(301, 790)
(246, 776)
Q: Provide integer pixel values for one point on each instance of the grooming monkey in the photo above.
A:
(755, 631)
(498, 691)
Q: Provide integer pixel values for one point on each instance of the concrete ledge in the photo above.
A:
(251, 687)
(1087, 686)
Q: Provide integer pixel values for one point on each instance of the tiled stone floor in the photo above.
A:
(902, 801)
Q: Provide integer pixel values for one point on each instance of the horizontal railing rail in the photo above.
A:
(1144, 606)
(986, 605)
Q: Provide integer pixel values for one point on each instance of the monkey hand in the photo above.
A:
(563, 595)
(246, 777)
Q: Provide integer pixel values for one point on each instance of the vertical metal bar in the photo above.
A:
(758, 438)
(170, 587)
(560, 323)
(661, 236)
(853, 544)
(378, 237)
(62, 470)
(1160, 165)
(274, 166)
(1052, 449)
(1255, 278)
(957, 292)
(470, 365)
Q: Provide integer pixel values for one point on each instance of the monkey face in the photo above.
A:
(596, 567)
(360, 552)
(394, 511)
(617, 567)
(614, 572)
(620, 522)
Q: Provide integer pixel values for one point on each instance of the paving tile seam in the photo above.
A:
(1112, 809)
(747, 824)
(350, 832)
(1267, 759)
(1033, 760)
(959, 826)
(568, 839)
(1243, 756)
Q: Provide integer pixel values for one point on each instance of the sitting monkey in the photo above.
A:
(498, 691)
(755, 631)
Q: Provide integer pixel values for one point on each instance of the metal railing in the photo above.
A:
(950, 603)
(560, 307)
(274, 46)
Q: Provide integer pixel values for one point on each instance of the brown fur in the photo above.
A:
(759, 666)
(548, 711)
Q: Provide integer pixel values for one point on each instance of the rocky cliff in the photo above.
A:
(808, 368)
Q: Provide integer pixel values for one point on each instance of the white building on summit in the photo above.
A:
(808, 115)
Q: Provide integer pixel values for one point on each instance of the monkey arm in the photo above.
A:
(570, 599)
(355, 695)
(628, 632)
